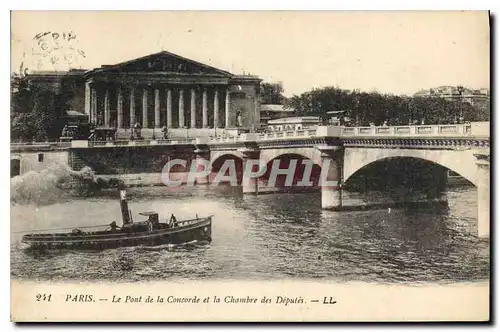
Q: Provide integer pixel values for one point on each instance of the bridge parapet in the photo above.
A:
(142, 142)
(39, 146)
(410, 131)
(474, 130)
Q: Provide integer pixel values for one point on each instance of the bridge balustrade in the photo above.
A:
(449, 130)
(430, 130)
(41, 144)
(311, 132)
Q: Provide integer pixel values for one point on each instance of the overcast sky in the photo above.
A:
(398, 52)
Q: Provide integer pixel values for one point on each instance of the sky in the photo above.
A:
(389, 52)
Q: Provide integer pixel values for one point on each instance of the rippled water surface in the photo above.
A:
(275, 236)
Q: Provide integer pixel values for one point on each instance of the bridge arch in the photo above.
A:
(460, 162)
(214, 155)
(304, 176)
(217, 163)
(311, 153)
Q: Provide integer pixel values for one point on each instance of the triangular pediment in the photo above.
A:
(165, 62)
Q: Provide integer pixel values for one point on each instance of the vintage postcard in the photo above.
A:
(250, 166)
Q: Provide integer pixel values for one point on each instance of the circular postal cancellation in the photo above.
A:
(51, 51)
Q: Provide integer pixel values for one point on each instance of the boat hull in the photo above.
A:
(190, 232)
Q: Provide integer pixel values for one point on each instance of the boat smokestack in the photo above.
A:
(124, 206)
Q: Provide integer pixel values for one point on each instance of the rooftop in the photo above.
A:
(451, 90)
(275, 108)
(296, 119)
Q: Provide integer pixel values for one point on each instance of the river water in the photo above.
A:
(265, 237)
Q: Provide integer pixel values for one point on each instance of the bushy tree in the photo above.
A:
(372, 107)
(35, 111)
(271, 93)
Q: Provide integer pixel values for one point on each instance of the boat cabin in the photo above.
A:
(152, 217)
(151, 223)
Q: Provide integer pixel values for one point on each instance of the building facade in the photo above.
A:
(160, 90)
(273, 111)
(458, 93)
(293, 123)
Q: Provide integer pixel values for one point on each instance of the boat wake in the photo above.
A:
(154, 248)
(190, 244)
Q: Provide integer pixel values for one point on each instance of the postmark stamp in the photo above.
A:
(52, 50)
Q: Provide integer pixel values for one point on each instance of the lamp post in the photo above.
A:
(407, 102)
(460, 92)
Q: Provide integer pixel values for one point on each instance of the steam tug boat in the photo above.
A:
(150, 232)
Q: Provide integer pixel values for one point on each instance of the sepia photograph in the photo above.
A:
(248, 148)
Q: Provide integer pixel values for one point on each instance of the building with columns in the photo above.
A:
(161, 89)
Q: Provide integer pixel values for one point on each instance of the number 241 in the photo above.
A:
(43, 297)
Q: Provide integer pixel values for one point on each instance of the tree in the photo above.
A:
(22, 126)
(483, 111)
(372, 107)
(35, 111)
(272, 93)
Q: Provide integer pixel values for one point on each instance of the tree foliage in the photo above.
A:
(272, 93)
(364, 108)
(35, 111)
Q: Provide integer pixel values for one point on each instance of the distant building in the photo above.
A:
(293, 123)
(273, 111)
(69, 83)
(459, 93)
(338, 118)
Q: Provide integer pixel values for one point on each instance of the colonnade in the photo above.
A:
(172, 112)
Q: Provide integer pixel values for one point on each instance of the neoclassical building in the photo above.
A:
(459, 93)
(157, 90)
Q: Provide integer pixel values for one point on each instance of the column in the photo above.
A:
(119, 108)
(193, 108)
(182, 122)
(106, 108)
(227, 108)
(157, 108)
(331, 178)
(205, 109)
(87, 98)
(256, 119)
(483, 199)
(144, 108)
(132, 106)
(216, 109)
(93, 113)
(169, 108)
(252, 161)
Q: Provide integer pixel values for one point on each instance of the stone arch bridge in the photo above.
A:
(339, 152)
(458, 148)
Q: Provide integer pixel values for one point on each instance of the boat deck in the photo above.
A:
(80, 238)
